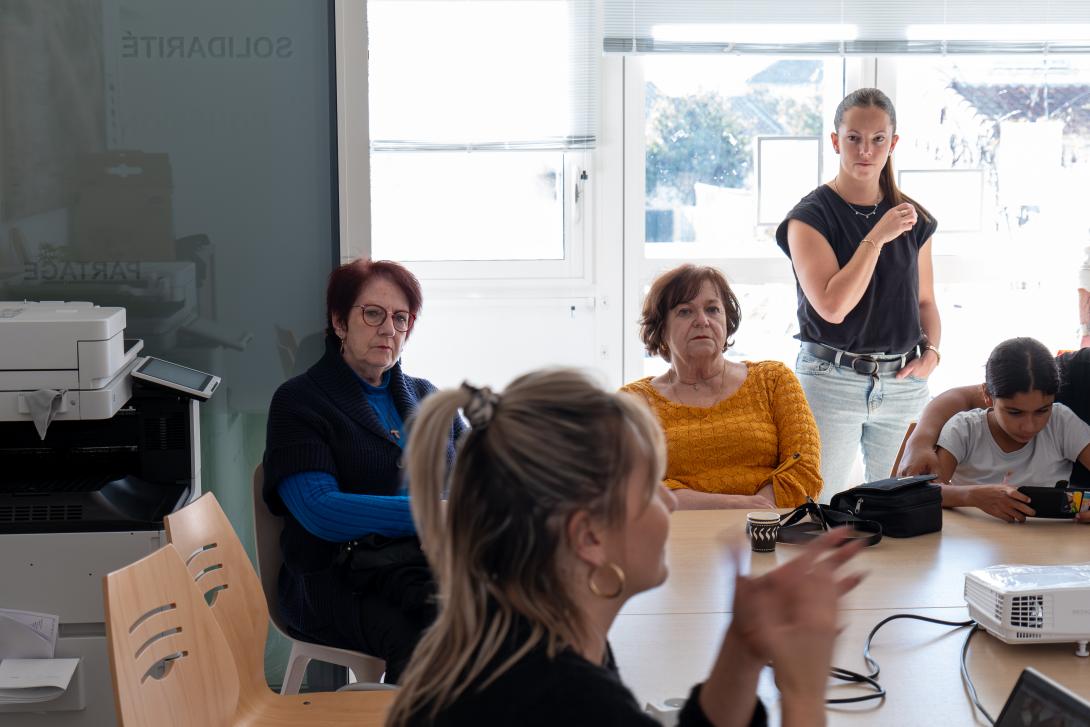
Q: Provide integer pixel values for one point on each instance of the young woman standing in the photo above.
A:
(861, 251)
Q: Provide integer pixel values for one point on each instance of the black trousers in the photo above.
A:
(392, 601)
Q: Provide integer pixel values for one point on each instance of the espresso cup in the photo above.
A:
(763, 528)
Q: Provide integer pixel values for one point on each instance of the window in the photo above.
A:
(480, 205)
(728, 146)
(482, 115)
(999, 224)
(998, 149)
(722, 134)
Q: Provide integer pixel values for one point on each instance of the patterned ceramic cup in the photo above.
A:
(763, 528)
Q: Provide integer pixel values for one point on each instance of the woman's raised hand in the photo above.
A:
(788, 617)
(793, 609)
(894, 223)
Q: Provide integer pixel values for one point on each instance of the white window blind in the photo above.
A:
(846, 26)
(468, 75)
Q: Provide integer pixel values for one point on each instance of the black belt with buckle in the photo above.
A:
(860, 363)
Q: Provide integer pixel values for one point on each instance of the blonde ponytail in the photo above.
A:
(426, 454)
(552, 444)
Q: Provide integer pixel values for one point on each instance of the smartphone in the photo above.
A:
(1057, 502)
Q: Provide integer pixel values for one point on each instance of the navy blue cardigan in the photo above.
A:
(321, 421)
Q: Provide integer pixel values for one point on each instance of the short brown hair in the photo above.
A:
(675, 287)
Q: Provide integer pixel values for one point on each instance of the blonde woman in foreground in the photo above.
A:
(556, 517)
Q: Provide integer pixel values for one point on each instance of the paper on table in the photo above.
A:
(34, 680)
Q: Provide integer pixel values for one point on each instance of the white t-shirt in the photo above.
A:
(1042, 461)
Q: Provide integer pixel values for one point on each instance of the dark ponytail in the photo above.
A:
(1021, 365)
(873, 97)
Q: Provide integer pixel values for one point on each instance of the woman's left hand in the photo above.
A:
(921, 366)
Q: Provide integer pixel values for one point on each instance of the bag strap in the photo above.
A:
(822, 517)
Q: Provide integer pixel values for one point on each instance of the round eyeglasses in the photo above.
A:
(375, 316)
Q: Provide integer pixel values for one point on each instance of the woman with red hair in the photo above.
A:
(354, 575)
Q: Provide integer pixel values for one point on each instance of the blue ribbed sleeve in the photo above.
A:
(330, 514)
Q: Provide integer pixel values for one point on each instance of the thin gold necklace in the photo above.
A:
(864, 215)
(722, 376)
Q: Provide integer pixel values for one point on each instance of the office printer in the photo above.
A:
(98, 458)
(77, 348)
(89, 496)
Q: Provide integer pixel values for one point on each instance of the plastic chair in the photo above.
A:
(267, 528)
(173, 664)
(221, 570)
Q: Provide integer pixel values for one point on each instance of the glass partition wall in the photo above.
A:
(175, 159)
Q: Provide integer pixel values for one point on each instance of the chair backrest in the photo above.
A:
(218, 564)
(901, 451)
(267, 529)
(168, 658)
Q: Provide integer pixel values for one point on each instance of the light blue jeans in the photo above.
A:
(854, 410)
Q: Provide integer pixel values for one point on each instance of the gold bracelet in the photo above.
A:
(931, 347)
(872, 243)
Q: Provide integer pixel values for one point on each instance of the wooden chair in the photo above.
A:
(221, 572)
(267, 528)
(168, 658)
(901, 451)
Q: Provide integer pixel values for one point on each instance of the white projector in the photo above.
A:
(1021, 604)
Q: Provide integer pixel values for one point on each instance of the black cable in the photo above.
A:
(872, 664)
(968, 680)
(846, 675)
(871, 679)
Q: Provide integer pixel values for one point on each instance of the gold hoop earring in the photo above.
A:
(617, 572)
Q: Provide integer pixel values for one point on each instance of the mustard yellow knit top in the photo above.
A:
(764, 431)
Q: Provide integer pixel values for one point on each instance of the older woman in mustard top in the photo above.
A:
(738, 434)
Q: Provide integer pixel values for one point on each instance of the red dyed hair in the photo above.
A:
(346, 282)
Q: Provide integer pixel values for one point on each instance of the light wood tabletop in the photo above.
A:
(665, 640)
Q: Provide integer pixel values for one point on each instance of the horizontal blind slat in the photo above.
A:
(845, 26)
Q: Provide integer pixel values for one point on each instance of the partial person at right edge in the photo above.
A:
(945, 424)
(869, 326)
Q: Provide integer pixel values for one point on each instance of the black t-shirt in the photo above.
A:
(566, 690)
(1074, 393)
(887, 317)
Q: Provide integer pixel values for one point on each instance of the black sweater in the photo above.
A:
(321, 421)
(567, 690)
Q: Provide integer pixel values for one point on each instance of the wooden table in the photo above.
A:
(665, 640)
